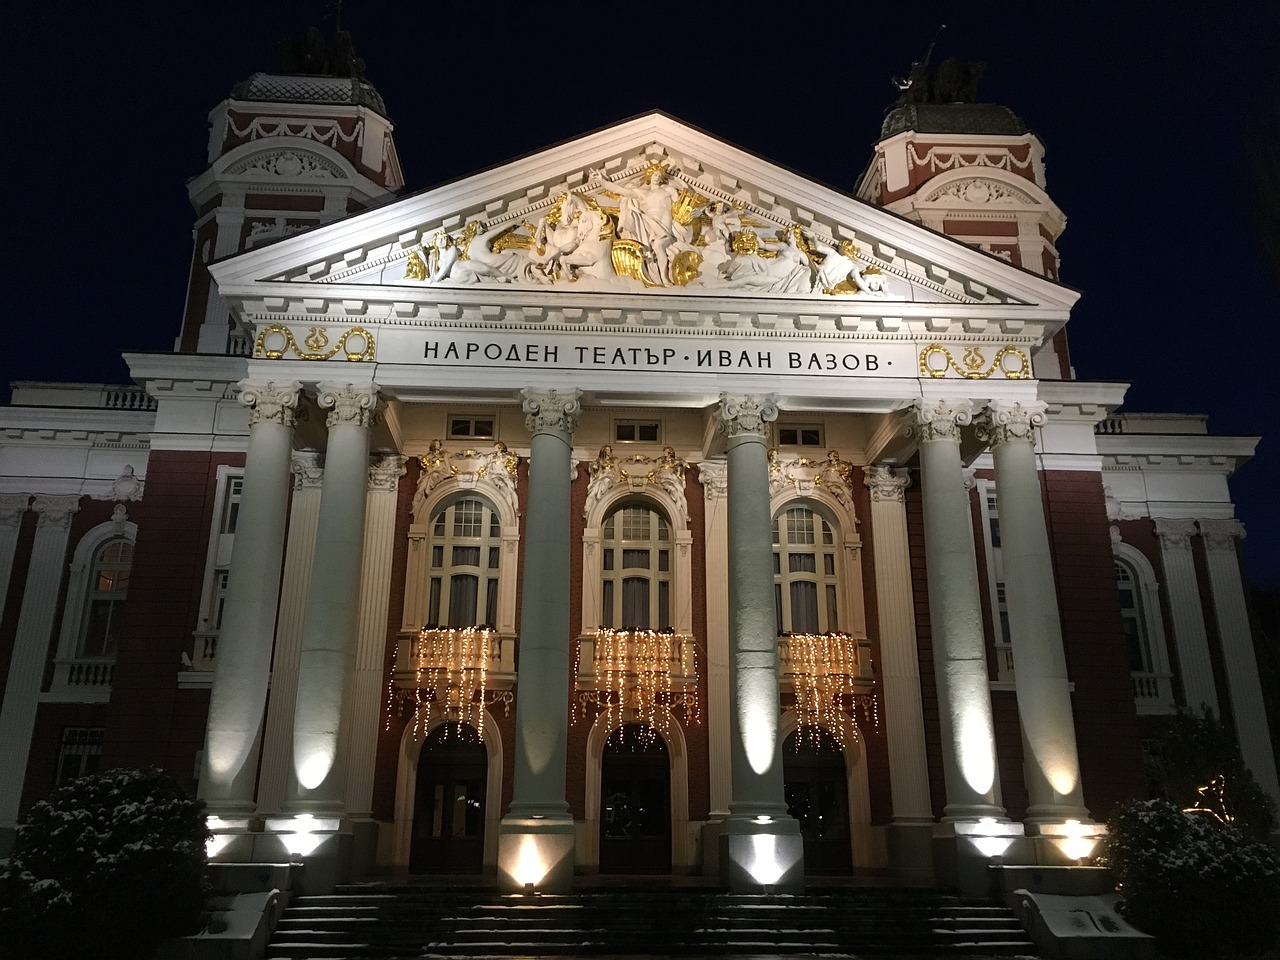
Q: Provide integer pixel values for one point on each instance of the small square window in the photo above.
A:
(471, 428)
(636, 431)
(800, 435)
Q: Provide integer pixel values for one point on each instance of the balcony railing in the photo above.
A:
(640, 674)
(82, 679)
(1153, 693)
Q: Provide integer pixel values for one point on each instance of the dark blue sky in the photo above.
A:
(1144, 109)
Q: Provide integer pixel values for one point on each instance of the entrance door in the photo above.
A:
(448, 806)
(635, 802)
(817, 790)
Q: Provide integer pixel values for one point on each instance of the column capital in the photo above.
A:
(12, 507)
(746, 415)
(1011, 421)
(1221, 534)
(939, 419)
(270, 401)
(1175, 534)
(886, 483)
(56, 511)
(385, 471)
(714, 477)
(551, 411)
(350, 404)
(307, 469)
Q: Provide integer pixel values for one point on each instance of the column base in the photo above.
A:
(965, 850)
(535, 854)
(762, 855)
(1065, 842)
(911, 850)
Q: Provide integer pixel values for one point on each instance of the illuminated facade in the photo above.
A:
(635, 506)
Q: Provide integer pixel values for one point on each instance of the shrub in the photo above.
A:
(1200, 887)
(1188, 751)
(108, 866)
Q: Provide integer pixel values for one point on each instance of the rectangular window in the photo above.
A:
(804, 606)
(466, 556)
(833, 613)
(495, 556)
(468, 519)
(437, 557)
(231, 505)
(777, 603)
(664, 605)
(829, 564)
(462, 600)
(220, 579)
(80, 753)
(606, 604)
(491, 604)
(799, 434)
(635, 603)
(471, 428)
(664, 561)
(636, 431)
(637, 559)
(433, 603)
(802, 563)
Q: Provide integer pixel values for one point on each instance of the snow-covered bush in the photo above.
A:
(1200, 887)
(108, 866)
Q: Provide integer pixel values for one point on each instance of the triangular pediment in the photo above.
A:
(648, 207)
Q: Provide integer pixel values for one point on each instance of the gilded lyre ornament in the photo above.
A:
(936, 361)
(275, 340)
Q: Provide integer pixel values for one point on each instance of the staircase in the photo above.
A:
(435, 919)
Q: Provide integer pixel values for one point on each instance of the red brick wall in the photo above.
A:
(150, 721)
(1107, 732)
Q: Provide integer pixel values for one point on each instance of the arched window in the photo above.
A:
(108, 585)
(805, 572)
(466, 552)
(635, 561)
(1133, 617)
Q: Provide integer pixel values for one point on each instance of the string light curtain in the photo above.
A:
(450, 666)
(824, 667)
(634, 671)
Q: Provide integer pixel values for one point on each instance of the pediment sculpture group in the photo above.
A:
(658, 231)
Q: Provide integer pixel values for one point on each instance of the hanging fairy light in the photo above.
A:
(450, 667)
(824, 667)
(634, 672)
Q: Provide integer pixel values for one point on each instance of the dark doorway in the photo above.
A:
(817, 789)
(448, 806)
(635, 802)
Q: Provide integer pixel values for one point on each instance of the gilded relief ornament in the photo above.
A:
(635, 472)
(495, 469)
(654, 228)
(807, 474)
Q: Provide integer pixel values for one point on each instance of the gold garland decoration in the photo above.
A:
(975, 363)
(316, 342)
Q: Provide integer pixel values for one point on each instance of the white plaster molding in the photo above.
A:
(746, 415)
(617, 475)
(270, 401)
(551, 411)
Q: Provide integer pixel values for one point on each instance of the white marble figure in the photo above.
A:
(717, 237)
(569, 243)
(646, 214)
(788, 272)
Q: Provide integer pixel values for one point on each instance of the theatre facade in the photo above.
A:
(636, 506)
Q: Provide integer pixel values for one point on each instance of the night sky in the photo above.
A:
(1145, 109)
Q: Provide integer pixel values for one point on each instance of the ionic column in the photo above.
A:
(277, 737)
(758, 806)
(715, 485)
(13, 506)
(1182, 587)
(1051, 765)
(955, 613)
(535, 843)
(367, 685)
(243, 664)
(900, 670)
(1238, 659)
(333, 597)
(30, 647)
